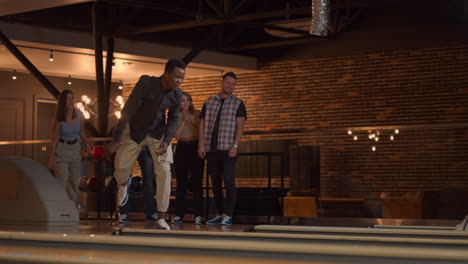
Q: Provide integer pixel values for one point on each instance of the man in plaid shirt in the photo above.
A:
(221, 126)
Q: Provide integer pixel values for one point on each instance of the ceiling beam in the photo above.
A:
(239, 5)
(274, 27)
(214, 7)
(210, 21)
(156, 6)
(272, 44)
(31, 68)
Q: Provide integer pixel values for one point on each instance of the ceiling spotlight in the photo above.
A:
(69, 80)
(51, 56)
(14, 75)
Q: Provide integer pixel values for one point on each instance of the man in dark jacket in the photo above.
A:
(149, 117)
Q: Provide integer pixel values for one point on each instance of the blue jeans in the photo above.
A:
(147, 173)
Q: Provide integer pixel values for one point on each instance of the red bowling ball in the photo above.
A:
(93, 184)
(84, 153)
(98, 152)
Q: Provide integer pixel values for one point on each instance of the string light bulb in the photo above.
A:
(51, 56)
(86, 99)
(375, 135)
(14, 75)
(69, 80)
(120, 85)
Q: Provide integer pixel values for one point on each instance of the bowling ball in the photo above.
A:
(98, 152)
(93, 184)
(83, 184)
(84, 153)
(136, 185)
(110, 183)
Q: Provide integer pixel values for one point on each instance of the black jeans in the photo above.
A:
(222, 168)
(187, 162)
(147, 173)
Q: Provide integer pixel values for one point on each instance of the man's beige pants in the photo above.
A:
(127, 154)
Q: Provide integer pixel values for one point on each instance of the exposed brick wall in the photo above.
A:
(422, 92)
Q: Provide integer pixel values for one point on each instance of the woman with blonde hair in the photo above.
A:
(187, 162)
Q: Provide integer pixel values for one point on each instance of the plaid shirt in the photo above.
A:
(227, 124)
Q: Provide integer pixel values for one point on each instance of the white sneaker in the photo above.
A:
(199, 220)
(123, 218)
(177, 220)
(227, 220)
(162, 224)
(463, 225)
(216, 220)
(122, 192)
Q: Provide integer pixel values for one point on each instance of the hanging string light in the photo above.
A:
(69, 80)
(14, 75)
(51, 56)
(376, 135)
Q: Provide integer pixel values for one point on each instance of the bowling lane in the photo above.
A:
(353, 231)
(310, 239)
(415, 227)
(86, 248)
(29, 254)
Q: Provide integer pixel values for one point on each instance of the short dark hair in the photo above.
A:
(230, 74)
(174, 63)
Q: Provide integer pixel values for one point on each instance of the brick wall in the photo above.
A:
(423, 93)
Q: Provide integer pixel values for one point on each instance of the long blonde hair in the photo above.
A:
(191, 109)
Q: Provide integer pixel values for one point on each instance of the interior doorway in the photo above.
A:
(45, 109)
(12, 115)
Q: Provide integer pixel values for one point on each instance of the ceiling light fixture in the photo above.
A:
(69, 80)
(14, 75)
(120, 85)
(51, 56)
